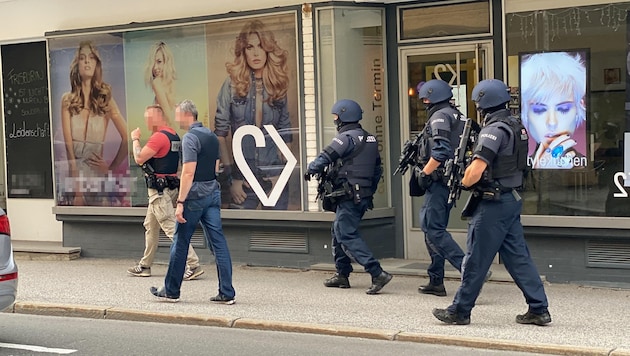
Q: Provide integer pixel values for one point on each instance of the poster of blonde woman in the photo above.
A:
(89, 121)
(553, 108)
(163, 67)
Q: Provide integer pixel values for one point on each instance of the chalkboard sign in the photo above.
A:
(27, 120)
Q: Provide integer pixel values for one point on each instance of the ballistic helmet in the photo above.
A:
(435, 90)
(490, 93)
(347, 110)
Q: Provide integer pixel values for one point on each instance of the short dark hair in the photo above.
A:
(157, 107)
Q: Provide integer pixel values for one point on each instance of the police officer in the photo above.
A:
(495, 174)
(354, 157)
(440, 138)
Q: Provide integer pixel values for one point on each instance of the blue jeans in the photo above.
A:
(434, 216)
(347, 241)
(206, 210)
(496, 227)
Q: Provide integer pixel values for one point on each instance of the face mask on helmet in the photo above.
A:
(338, 123)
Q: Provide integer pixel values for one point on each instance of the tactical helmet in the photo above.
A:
(490, 93)
(435, 90)
(347, 110)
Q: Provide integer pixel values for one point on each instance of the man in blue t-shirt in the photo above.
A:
(199, 200)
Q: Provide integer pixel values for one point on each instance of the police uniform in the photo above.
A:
(440, 137)
(495, 225)
(353, 154)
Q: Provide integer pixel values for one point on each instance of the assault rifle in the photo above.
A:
(325, 191)
(454, 168)
(408, 155)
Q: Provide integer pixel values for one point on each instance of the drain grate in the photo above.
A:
(197, 239)
(278, 241)
(607, 254)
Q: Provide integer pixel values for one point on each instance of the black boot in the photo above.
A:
(338, 281)
(379, 282)
(438, 290)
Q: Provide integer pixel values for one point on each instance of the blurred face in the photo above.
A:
(254, 54)
(152, 118)
(87, 62)
(182, 119)
(555, 117)
(158, 64)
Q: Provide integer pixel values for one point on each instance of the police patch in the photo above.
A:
(487, 135)
(338, 141)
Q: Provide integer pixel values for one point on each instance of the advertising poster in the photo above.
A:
(89, 120)
(253, 90)
(163, 67)
(553, 108)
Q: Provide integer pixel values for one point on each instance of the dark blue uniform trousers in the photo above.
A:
(440, 244)
(496, 227)
(347, 241)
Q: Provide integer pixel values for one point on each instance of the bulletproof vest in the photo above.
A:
(207, 155)
(358, 167)
(170, 162)
(516, 162)
(453, 116)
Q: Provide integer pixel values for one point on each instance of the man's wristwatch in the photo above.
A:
(181, 201)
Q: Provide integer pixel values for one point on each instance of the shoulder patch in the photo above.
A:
(490, 136)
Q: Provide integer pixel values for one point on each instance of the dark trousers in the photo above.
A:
(347, 241)
(496, 227)
(434, 216)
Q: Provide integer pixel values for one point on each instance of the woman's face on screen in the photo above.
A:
(255, 54)
(552, 118)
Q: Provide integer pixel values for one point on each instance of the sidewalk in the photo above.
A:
(586, 321)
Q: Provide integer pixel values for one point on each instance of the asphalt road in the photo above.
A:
(47, 335)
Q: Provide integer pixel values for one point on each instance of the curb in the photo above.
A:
(113, 313)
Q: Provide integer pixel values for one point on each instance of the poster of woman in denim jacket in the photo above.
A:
(255, 94)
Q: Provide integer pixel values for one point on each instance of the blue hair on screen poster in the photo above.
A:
(553, 107)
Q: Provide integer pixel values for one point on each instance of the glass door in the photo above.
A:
(462, 66)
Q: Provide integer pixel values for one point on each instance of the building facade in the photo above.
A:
(69, 167)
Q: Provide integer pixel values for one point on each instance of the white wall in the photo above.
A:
(33, 220)
(27, 19)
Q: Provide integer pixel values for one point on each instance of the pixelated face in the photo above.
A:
(255, 54)
(554, 117)
(182, 119)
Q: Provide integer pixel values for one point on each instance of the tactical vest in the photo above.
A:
(207, 156)
(170, 162)
(427, 142)
(509, 165)
(358, 167)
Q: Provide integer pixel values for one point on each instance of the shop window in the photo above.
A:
(351, 66)
(242, 74)
(569, 74)
(438, 20)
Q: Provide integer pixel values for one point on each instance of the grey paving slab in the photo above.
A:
(593, 320)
